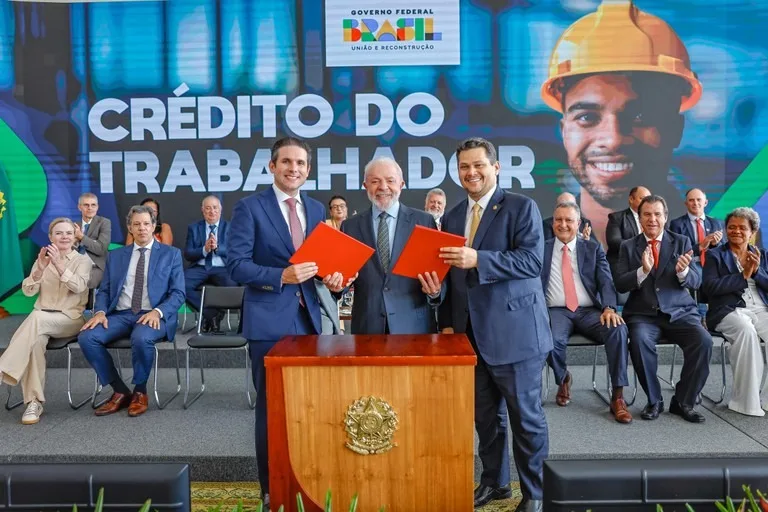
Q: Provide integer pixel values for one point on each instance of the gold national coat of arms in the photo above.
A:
(370, 424)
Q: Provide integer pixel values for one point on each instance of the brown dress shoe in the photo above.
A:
(117, 402)
(563, 397)
(139, 404)
(620, 411)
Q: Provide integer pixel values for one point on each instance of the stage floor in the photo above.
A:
(216, 435)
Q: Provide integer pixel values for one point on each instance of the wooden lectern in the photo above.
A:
(389, 418)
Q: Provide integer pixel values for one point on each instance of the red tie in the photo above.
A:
(569, 285)
(297, 234)
(655, 251)
(701, 235)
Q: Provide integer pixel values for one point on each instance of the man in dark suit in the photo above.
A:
(703, 231)
(280, 298)
(93, 235)
(655, 269)
(494, 295)
(623, 225)
(435, 203)
(206, 250)
(585, 228)
(581, 298)
(386, 303)
(139, 297)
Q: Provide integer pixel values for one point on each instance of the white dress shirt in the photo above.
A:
(217, 260)
(556, 288)
(300, 211)
(636, 216)
(124, 302)
(483, 202)
(641, 275)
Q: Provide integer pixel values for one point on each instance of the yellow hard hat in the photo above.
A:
(619, 37)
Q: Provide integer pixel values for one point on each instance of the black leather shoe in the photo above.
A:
(530, 506)
(486, 493)
(206, 327)
(685, 411)
(652, 411)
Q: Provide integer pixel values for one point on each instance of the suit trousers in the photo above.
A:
(122, 324)
(688, 333)
(24, 359)
(258, 349)
(196, 276)
(743, 329)
(586, 321)
(518, 387)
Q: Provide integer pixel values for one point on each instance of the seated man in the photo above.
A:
(207, 251)
(623, 225)
(93, 235)
(584, 230)
(655, 269)
(703, 231)
(139, 297)
(581, 298)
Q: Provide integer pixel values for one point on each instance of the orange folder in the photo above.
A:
(333, 251)
(422, 252)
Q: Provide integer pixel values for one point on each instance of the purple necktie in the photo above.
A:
(297, 233)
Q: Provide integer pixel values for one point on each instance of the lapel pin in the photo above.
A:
(495, 207)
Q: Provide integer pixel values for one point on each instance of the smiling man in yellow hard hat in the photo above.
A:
(621, 78)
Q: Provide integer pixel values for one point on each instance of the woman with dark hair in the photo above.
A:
(338, 207)
(163, 233)
(736, 283)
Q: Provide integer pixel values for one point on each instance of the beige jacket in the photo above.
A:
(67, 292)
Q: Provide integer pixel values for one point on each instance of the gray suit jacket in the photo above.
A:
(96, 244)
(329, 309)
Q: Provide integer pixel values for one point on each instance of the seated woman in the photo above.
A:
(163, 233)
(338, 207)
(736, 283)
(60, 277)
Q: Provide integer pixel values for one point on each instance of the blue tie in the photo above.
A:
(81, 248)
(209, 256)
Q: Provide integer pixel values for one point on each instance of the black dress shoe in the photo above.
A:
(652, 411)
(486, 493)
(206, 326)
(530, 506)
(685, 411)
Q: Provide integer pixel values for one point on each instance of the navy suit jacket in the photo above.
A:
(260, 246)
(594, 272)
(165, 282)
(682, 225)
(549, 231)
(661, 290)
(382, 298)
(621, 226)
(197, 234)
(502, 297)
(724, 284)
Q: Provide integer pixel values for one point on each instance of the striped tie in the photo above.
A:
(382, 241)
(138, 283)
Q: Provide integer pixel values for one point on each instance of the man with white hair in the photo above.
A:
(585, 228)
(434, 204)
(386, 303)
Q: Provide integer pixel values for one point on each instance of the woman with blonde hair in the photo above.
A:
(60, 278)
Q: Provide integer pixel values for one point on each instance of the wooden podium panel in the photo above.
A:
(428, 380)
